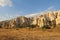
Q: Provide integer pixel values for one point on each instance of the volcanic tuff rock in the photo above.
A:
(58, 17)
(49, 18)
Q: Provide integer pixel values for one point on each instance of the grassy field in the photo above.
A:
(30, 34)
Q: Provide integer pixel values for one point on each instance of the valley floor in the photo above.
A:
(30, 34)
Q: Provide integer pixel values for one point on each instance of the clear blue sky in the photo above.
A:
(10, 8)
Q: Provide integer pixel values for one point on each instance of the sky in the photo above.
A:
(13, 8)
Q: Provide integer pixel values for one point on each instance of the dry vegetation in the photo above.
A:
(30, 34)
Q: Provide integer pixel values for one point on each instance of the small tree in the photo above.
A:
(59, 24)
(32, 26)
(19, 26)
(0, 26)
(45, 27)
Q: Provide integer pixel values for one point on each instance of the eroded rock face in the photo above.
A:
(41, 21)
(34, 21)
(49, 18)
(4, 24)
(58, 17)
(15, 23)
(20, 21)
(45, 19)
(12, 23)
(57, 21)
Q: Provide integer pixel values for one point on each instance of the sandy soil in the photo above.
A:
(30, 34)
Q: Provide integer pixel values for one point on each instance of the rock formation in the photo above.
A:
(49, 18)
(58, 17)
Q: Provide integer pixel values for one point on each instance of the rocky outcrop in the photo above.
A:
(22, 21)
(58, 17)
(15, 23)
(49, 18)
(4, 24)
(41, 21)
(45, 19)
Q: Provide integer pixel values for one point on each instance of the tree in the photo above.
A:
(31, 26)
(45, 27)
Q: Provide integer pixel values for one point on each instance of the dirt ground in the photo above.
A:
(30, 34)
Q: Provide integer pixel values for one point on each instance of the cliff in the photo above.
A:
(49, 19)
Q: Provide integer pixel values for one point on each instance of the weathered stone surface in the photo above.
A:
(58, 18)
(49, 18)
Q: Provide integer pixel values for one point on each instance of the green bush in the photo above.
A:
(19, 26)
(45, 27)
(50, 23)
(31, 26)
(0, 26)
(59, 24)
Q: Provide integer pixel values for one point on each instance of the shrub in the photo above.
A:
(19, 26)
(59, 24)
(31, 26)
(50, 23)
(0, 26)
(45, 27)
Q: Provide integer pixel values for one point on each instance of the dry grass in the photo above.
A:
(30, 34)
